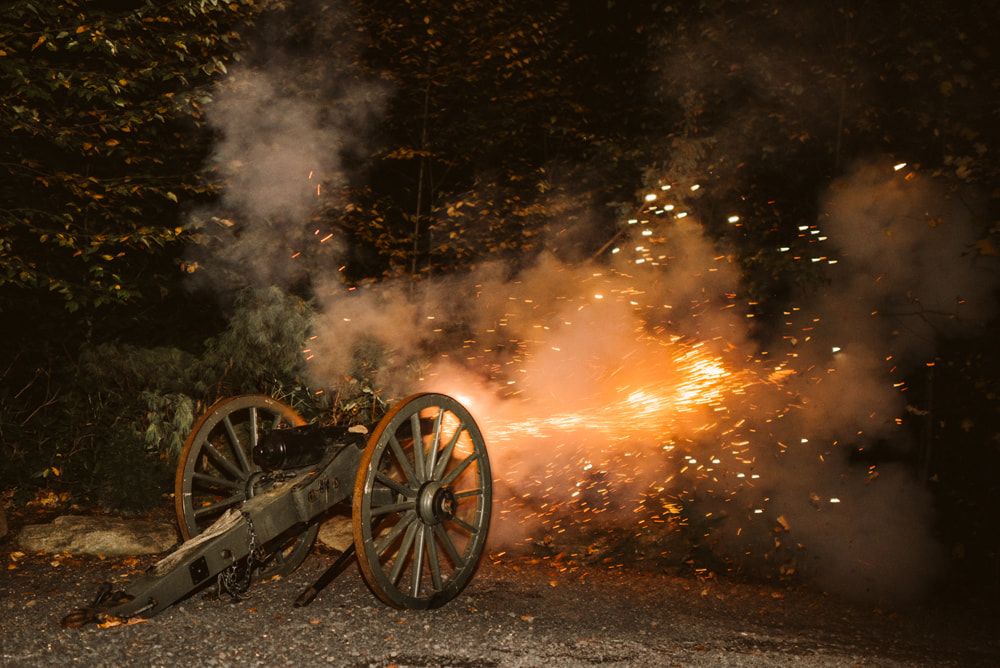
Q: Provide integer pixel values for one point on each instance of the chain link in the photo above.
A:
(231, 580)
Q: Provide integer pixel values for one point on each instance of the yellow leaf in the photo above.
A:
(112, 142)
(41, 40)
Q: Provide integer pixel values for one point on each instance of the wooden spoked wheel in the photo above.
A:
(216, 472)
(422, 500)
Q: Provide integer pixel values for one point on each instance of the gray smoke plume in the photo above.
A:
(279, 155)
(908, 274)
(555, 360)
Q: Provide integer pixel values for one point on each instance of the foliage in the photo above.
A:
(115, 436)
(774, 100)
(500, 130)
(932, 87)
(92, 94)
(263, 342)
(119, 476)
(101, 109)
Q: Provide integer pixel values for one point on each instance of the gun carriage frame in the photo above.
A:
(254, 482)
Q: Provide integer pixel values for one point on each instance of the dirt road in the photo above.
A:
(516, 612)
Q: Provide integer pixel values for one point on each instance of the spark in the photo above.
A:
(699, 380)
(670, 422)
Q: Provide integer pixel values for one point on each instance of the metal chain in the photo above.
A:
(229, 580)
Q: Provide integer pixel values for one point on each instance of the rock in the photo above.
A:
(108, 536)
(337, 533)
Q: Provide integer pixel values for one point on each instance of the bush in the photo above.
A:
(109, 426)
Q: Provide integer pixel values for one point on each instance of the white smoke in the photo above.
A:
(279, 154)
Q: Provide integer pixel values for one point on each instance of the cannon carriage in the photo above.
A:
(254, 482)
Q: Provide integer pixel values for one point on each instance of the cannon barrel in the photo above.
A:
(302, 446)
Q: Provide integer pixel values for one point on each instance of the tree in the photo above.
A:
(776, 99)
(102, 141)
(101, 110)
(502, 129)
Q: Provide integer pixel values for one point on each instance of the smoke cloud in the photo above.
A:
(907, 274)
(606, 392)
(279, 152)
(626, 393)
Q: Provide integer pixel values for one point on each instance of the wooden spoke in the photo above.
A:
(216, 465)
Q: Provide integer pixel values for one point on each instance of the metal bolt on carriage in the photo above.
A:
(254, 483)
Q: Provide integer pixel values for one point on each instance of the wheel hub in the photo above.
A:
(436, 503)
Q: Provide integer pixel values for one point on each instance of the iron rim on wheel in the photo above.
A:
(422, 500)
(216, 470)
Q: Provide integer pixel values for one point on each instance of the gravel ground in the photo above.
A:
(516, 612)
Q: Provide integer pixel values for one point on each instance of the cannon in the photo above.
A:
(254, 482)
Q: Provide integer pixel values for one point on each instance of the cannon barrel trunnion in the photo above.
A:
(253, 481)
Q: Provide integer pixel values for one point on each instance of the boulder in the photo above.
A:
(108, 536)
(337, 533)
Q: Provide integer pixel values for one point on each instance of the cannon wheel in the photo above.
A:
(421, 514)
(216, 465)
